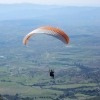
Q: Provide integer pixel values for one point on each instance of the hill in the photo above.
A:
(26, 11)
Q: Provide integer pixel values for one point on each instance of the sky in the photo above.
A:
(56, 2)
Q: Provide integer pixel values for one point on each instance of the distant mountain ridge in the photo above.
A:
(31, 11)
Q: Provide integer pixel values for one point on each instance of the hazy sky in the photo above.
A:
(57, 2)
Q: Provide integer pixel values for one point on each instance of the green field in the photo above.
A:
(26, 73)
(24, 69)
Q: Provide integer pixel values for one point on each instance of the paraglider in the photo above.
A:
(52, 31)
(55, 32)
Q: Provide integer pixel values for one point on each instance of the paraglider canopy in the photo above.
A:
(55, 32)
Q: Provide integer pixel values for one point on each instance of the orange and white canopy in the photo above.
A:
(55, 32)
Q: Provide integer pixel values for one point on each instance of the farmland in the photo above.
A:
(24, 69)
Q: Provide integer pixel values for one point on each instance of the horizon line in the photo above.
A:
(49, 4)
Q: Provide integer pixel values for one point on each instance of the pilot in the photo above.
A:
(52, 73)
